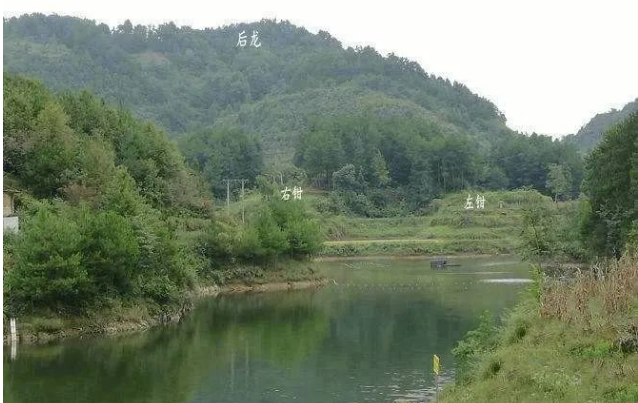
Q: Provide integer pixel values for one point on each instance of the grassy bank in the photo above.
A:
(138, 315)
(574, 341)
(446, 228)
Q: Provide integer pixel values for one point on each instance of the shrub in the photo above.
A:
(110, 251)
(218, 242)
(271, 236)
(304, 237)
(48, 268)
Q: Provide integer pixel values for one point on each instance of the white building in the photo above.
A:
(9, 218)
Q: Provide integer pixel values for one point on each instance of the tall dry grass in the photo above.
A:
(603, 298)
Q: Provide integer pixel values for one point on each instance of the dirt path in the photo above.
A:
(391, 240)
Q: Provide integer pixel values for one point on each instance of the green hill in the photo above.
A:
(280, 119)
(589, 135)
(300, 107)
(186, 79)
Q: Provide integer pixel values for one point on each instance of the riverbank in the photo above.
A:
(143, 315)
(569, 341)
(418, 247)
(412, 257)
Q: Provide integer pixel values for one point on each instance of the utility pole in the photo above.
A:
(227, 192)
(243, 182)
(243, 214)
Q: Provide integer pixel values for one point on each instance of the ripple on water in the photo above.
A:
(507, 280)
(421, 391)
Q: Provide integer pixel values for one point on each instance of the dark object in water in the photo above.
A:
(438, 264)
(441, 264)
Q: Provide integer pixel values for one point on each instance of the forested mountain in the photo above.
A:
(187, 79)
(589, 135)
(379, 132)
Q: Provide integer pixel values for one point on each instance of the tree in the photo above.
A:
(537, 236)
(111, 236)
(271, 235)
(559, 181)
(223, 154)
(48, 270)
(347, 180)
(110, 252)
(611, 185)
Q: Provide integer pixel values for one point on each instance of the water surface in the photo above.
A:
(368, 336)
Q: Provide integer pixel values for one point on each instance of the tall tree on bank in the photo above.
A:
(611, 183)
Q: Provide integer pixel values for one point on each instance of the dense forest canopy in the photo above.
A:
(299, 107)
(375, 165)
(72, 145)
(187, 79)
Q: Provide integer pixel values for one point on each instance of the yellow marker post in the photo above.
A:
(436, 367)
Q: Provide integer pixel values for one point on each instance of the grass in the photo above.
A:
(578, 342)
(285, 271)
(413, 247)
(447, 228)
(47, 325)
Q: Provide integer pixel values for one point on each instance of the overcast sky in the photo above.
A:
(548, 65)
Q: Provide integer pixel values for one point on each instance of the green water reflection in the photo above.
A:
(368, 336)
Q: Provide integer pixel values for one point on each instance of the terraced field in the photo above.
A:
(449, 229)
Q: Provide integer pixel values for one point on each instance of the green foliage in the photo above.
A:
(48, 270)
(278, 230)
(71, 259)
(565, 346)
(377, 165)
(109, 237)
(551, 233)
(219, 241)
(611, 184)
(601, 349)
(223, 154)
(476, 342)
(346, 179)
(538, 234)
(186, 79)
(303, 97)
(47, 325)
(525, 161)
(110, 251)
(444, 228)
(559, 181)
(71, 145)
(302, 233)
(39, 146)
(271, 235)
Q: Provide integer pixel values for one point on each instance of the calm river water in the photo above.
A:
(369, 336)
